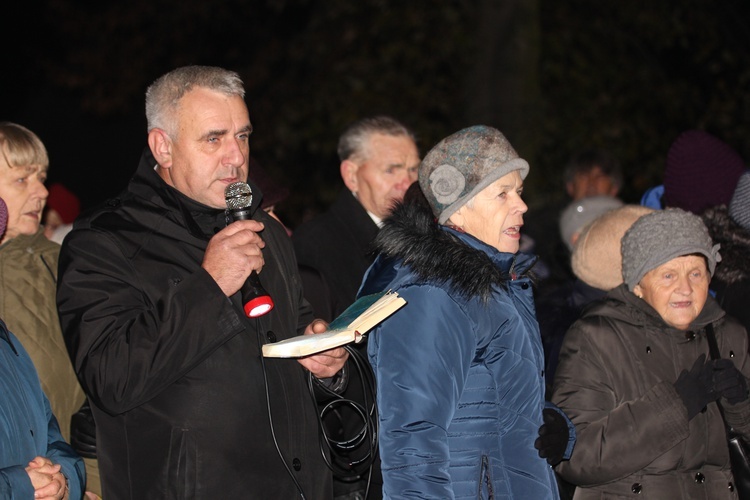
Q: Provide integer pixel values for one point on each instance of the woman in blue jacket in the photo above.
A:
(35, 461)
(460, 369)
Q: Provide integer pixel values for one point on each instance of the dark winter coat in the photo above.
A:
(615, 379)
(459, 369)
(172, 366)
(731, 281)
(337, 246)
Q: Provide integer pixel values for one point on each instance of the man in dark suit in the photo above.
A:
(379, 160)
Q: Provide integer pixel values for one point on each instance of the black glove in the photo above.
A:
(83, 431)
(696, 387)
(553, 437)
(729, 381)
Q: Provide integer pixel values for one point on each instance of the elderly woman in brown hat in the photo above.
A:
(636, 379)
(460, 369)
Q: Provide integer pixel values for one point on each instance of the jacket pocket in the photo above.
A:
(181, 466)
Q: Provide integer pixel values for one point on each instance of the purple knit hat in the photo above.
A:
(3, 217)
(702, 172)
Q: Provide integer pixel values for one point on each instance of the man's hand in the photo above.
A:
(47, 479)
(327, 363)
(233, 253)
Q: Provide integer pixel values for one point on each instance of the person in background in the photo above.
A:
(460, 368)
(35, 460)
(28, 275)
(730, 227)
(151, 307)
(597, 266)
(581, 212)
(62, 209)
(589, 173)
(635, 377)
(379, 160)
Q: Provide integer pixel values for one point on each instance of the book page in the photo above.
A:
(350, 326)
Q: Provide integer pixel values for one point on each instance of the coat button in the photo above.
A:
(700, 478)
(296, 464)
(636, 488)
(525, 286)
(271, 336)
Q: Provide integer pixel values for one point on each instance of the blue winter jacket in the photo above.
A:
(27, 426)
(459, 369)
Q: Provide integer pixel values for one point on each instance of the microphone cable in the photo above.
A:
(341, 462)
(270, 416)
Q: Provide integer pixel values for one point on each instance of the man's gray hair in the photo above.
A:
(163, 96)
(352, 141)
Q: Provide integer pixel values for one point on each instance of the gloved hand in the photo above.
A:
(83, 431)
(729, 381)
(696, 387)
(553, 437)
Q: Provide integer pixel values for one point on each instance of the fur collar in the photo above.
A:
(445, 257)
(735, 245)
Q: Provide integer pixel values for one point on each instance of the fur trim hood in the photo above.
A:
(444, 256)
(735, 245)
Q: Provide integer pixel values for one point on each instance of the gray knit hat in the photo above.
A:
(739, 207)
(661, 236)
(463, 164)
(580, 212)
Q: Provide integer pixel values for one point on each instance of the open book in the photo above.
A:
(350, 326)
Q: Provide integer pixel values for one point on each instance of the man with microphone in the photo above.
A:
(151, 304)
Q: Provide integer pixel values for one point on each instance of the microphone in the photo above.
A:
(255, 300)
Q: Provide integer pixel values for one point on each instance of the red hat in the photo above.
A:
(63, 202)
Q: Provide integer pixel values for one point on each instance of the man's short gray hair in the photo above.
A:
(352, 140)
(163, 96)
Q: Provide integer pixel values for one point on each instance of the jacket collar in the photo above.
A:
(24, 240)
(201, 221)
(643, 314)
(445, 256)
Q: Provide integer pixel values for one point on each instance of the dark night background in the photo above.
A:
(556, 76)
